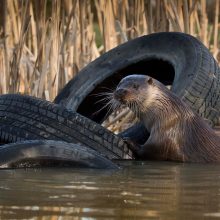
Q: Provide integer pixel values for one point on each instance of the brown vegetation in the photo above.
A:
(43, 43)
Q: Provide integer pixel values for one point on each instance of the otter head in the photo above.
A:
(134, 90)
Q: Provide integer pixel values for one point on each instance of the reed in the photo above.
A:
(43, 44)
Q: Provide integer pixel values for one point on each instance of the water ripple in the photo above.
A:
(141, 190)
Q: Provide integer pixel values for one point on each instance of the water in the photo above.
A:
(149, 190)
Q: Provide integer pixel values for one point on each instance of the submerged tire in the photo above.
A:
(175, 59)
(49, 153)
(29, 118)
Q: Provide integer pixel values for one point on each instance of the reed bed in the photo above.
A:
(43, 44)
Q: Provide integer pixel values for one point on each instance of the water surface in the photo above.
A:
(141, 190)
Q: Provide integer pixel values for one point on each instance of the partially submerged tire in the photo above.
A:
(29, 118)
(175, 59)
(49, 153)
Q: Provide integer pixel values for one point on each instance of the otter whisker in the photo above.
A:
(113, 106)
(103, 107)
(129, 104)
(102, 94)
(103, 99)
(110, 109)
(134, 107)
(116, 105)
(108, 89)
(140, 105)
(137, 109)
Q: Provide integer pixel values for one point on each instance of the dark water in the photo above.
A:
(149, 190)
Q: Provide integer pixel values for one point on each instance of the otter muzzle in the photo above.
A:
(120, 95)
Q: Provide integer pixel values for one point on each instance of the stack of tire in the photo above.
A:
(67, 132)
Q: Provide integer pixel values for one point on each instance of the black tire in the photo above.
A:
(175, 59)
(49, 153)
(29, 118)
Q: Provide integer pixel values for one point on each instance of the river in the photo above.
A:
(139, 190)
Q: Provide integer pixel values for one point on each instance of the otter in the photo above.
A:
(176, 132)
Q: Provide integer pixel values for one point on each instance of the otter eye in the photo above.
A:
(135, 86)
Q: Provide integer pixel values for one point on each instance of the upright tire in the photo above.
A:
(175, 59)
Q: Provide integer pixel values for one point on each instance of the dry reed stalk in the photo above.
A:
(43, 76)
(204, 23)
(62, 74)
(149, 11)
(186, 16)
(122, 33)
(54, 54)
(158, 17)
(191, 16)
(216, 28)
(2, 67)
(4, 70)
(108, 24)
(17, 54)
(15, 20)
(120, 116)
(174, 16)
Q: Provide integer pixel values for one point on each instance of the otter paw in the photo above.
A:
(134, 147)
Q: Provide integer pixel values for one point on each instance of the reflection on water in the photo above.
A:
(149, 190)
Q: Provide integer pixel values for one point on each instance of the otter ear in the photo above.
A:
(150, 81)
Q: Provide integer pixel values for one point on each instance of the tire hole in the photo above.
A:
(157, 68)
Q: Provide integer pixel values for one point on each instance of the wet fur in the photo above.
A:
(176, 133)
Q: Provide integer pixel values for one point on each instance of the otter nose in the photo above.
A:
(119, 94)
